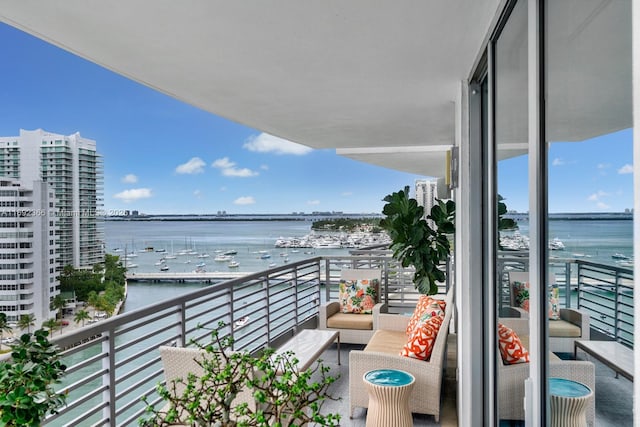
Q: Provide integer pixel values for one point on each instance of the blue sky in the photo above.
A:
(164, 156)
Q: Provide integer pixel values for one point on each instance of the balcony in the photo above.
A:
(114, 362)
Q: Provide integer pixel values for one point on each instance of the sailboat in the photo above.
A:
(171, 255)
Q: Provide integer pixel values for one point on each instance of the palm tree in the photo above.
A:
(4, 327)
(26, 321)
(81, 316)
(51, 325)
(58, 303)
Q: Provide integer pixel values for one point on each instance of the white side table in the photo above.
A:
(568, 402)
(389, 391)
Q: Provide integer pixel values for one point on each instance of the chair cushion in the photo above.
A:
(511, 348)
(521, 292)
(426, 307)
(358, 296)
(386, 341)
(562, 328)
(524, 339)
(350, 321)
(423, 338)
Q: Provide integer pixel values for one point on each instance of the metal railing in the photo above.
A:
(604, 291)
(113, 363)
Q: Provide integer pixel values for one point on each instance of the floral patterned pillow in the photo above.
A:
(426, 307)
(358, 296)
(511, 348)
(521, 291)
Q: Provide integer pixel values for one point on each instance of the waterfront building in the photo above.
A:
(27, 250)
(71, 165)
(426, 194)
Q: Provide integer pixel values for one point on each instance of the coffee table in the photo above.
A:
(308, 345)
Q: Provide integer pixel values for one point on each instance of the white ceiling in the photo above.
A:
(326, 74)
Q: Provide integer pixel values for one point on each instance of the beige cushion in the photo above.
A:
(562, 328)
(350, 321)
(384, 341)
(525, 342)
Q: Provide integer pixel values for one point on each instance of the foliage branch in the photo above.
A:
(239, 389)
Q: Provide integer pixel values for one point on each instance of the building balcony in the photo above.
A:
(114, 362)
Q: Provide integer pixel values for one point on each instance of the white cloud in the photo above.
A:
(246, 200)
(227, 168)
(129, 179)
(557, 162)
(597, 196)
(313, 202)
(193, 166)
(601, 205)
(134, 194)
(265, 143)
(625, 169)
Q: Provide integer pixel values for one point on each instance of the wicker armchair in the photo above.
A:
(383, 352)
(353, 328)
(511, 378)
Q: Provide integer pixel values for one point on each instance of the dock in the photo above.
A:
(206, 277)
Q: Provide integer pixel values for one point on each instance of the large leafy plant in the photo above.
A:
(416, 243)
(279, 394)
(27, 380)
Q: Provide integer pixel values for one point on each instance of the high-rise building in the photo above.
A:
(27, 250)
(426, 193)
(73, 168)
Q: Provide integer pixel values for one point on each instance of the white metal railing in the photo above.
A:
(113, 363)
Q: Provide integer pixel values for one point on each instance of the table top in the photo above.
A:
(389, 377)
(611, 353)
(567, 388)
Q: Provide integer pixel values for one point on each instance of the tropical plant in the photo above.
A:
(4, 327)
(414, 241)
(81, 316)
(51, 325)
(58, 303)
(26, 321)
(26, 381)
(282, 396)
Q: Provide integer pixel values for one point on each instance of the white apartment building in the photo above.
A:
(27, 250)
(71, 165)
(426, 194)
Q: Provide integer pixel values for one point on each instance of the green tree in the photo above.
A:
(26, 321)
(58, 303)
(81, 316)
(4, 327)
(51, 325)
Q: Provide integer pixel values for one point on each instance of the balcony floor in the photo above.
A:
(614, 396)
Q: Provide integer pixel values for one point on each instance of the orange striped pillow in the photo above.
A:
(423, 306)
(511, 348)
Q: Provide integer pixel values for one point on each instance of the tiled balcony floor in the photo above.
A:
(614, 396)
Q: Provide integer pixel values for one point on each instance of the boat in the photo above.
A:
(130, 265)
(222, 258)
(231, 252)
(241, 323)
(619, 256)
(233, 264)
(199, 270)
(201, 264)
(273, 264)
(556, 244)
(203, 255)
(265, 256)
(164, 267)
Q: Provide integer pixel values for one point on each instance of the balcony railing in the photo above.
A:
(603, 291)
(113, 363)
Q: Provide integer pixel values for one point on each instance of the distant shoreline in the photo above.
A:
(266, 217)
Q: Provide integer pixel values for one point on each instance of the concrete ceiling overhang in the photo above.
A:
(326, 74)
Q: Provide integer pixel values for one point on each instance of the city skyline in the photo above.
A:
(162, 156)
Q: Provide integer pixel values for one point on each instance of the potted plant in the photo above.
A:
(273, 392)
(416, 243)
(26, 381)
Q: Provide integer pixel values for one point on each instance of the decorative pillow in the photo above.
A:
(358, 296)
(424, 308)
(554, 308)
(521, 290)
(422, 339)
(511, 348)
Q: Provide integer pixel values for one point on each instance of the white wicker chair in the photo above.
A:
(573, 324)
(511, 378)
(355, 335)
(425, 397)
